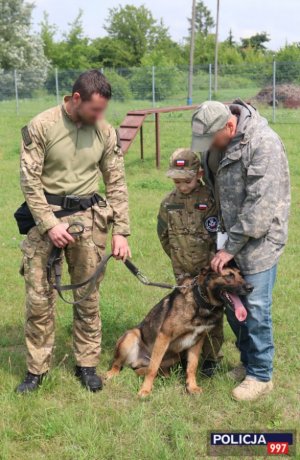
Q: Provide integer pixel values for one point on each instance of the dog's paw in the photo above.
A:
(143, 393)
(194, 390)
(110, 374)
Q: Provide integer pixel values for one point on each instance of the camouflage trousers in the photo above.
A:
(82, 257)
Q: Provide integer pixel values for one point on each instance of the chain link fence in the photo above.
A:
(274, 87)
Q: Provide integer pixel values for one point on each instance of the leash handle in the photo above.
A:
(78, 232)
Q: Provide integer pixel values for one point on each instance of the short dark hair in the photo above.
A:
(91, 82)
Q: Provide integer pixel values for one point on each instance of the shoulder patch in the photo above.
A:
(26, 136)
(211, 224)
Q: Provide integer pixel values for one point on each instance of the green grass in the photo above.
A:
(62, 420)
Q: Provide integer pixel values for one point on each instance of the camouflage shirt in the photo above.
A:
(187, 227)
(254, 186)
(61, 157)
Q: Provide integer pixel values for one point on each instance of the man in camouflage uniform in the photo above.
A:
(187, 225)
(65, 150)
(246, 166)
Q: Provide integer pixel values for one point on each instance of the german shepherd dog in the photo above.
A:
(179, 323)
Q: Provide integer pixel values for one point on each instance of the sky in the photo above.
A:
(278, 18)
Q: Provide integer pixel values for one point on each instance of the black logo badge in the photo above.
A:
(211, 224)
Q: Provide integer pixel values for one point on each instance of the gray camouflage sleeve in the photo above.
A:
(256, 214)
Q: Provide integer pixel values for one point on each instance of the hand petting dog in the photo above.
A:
(220, 260)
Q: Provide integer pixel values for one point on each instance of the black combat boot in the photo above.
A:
(89, 378)
(209, 368)
(30, 383)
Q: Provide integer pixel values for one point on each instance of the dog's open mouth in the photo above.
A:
(236, 304)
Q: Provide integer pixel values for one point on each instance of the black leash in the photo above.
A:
(54, 264)
(144, 280)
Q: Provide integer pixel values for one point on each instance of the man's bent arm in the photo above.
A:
(31, 167)
(113, 171)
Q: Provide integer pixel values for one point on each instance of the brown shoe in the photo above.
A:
(251, 389)
(238, 373)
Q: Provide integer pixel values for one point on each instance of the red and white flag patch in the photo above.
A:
(180, 163)
(201, 206)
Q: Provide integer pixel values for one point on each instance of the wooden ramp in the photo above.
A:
(129, 128)
(133, 123)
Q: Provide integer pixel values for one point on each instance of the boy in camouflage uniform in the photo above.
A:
(187, 226)
(64, 152)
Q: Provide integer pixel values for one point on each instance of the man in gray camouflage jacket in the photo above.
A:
(246, 167)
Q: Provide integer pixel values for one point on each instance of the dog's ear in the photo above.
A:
(232, 264)
(203, 273)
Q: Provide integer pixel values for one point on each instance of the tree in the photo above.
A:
(204, 49)
(229, 55)
(73, 53)
(136, 28)
(76, 51)
(48, 32)
(257, 41)
(20, 49)
(111, 52)
(230, 40)
(288, 63)
(204, 19)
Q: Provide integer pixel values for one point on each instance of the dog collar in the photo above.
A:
(202, 299)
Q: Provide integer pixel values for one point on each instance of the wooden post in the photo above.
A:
(157, 139)
(216, 47)
(142, 142)
(192, 51)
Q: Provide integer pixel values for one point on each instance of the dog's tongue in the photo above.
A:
(239, 309)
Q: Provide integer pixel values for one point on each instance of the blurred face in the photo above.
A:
(187, 185)
(223, 137)
(89, 112)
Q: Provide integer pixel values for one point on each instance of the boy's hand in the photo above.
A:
(120, 247)
(220, 260)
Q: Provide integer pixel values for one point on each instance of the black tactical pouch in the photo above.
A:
(24, 219)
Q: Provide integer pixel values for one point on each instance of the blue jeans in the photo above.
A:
(255, 335)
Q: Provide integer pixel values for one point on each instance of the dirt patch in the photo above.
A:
(287, 96)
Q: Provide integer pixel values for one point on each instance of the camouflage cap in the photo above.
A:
(209, 118)
(183, 164)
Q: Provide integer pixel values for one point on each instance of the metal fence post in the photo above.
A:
(102, 70)
(16, 91)
(274, 91)
(56, 86)
(153, 86)
(210, 82)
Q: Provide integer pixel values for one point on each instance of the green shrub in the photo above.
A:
(167, 81)
(120, 86)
